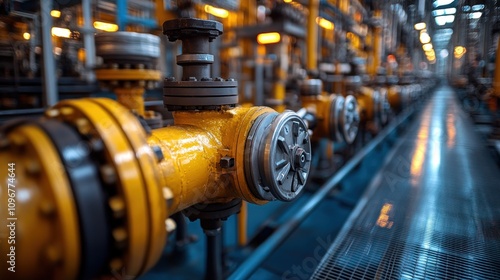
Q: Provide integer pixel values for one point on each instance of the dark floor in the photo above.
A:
(432, 212)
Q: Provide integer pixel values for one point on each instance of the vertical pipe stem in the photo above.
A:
(49, 71)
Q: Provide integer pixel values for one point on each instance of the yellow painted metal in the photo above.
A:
(147, 160)
(163, 14)
(128, 74)
(279, 95)
(394, 97)
(321, 106)
(147, 188)
(192, 149)
(131, 186)
(43, 205)
(312, 36)
(132, 98)
(242, 224)
(366, 104)
(377, 45)
(496, 79)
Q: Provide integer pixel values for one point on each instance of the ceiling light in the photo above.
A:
(427, 47)
(420, 26)
(438, 3)
(218, 12)
(61, 32)
(268, 38)
(55, 13)
(479, 7)
(424, 38)
(442, 20)
(105, 26)
(475, 15)
(326, 24)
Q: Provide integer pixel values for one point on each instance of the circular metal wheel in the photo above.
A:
(279, 154)
(127, 46)
(384, 106)
(337, 104)
(349, 120)
(311, 87)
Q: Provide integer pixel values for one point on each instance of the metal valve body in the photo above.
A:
(337, 116)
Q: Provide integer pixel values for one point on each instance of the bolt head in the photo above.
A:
(170, 79)
(192, 79)
(226, 162)
(158, 153)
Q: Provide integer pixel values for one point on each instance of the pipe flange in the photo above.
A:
(336, 106)
(311, 87)
(278, 151)
(349, 119)
(194, 94)
(185, 27)
(133, 47)
(384, 106)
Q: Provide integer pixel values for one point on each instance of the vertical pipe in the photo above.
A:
(49, 76)
(242, 224)
(312, 33)
(121, 14)
(496, 80)
(88, 40)
(214, 257)
(377, 44)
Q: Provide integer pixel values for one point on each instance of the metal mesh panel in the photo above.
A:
(432, 212)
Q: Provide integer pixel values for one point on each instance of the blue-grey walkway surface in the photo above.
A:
(432, 212)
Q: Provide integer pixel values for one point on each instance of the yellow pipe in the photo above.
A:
(132, 98)
(45, 219)
(192, 149)
(242, 224)
(320, 106)
(312, 36)
(496, 79)
(203, 158)
(377, 46)
(366, 104)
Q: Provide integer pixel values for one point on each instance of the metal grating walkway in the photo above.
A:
(432, 212)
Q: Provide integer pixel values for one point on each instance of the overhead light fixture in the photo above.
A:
(427, 47)
(459, 51)
(55, 13)
(476, 8)
(326, 24)
(287, 1)
(444, 53)
(268, 38)
(26, 35)
(442, 12)
(442, 20)
(475, 15)
(218, 12)
(105, 26)
(425, 38)
(61, 32)
(439, 3)
(420, 26)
